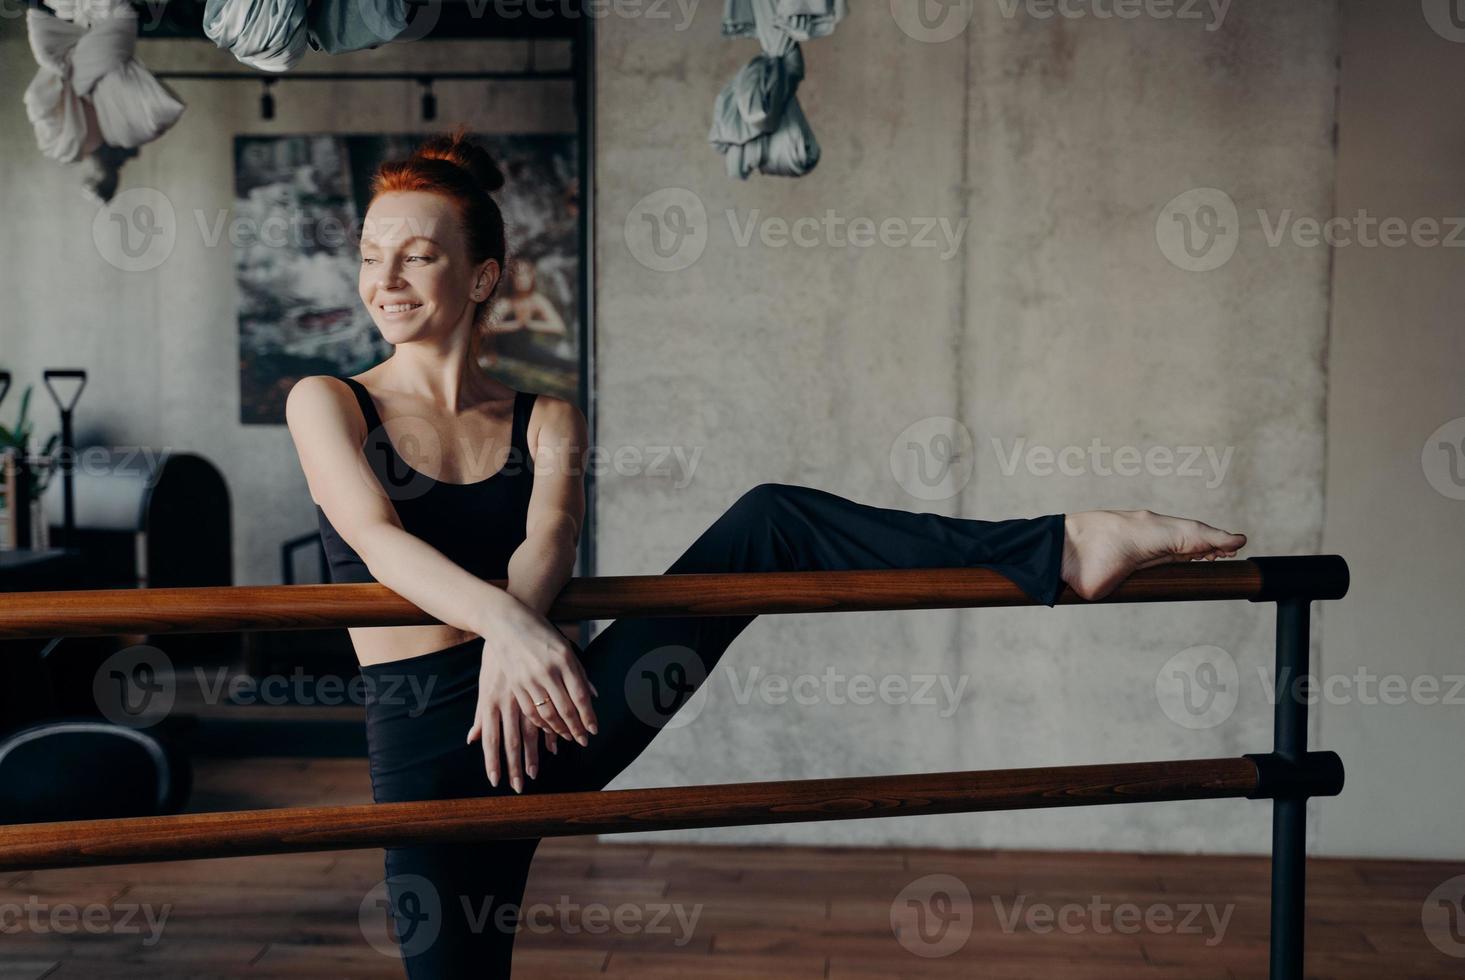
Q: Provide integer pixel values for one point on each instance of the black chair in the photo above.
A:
(56, 764)
(89, 770)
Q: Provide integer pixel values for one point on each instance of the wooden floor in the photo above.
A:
(744, 912)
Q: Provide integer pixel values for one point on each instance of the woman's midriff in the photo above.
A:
(386, 644)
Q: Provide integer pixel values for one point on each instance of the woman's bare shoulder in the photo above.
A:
(319, 400)
(557, 420)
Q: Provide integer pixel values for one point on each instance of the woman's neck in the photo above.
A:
(452, 386)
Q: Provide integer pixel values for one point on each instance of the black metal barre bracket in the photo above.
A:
(1278, 777)
(1301, 577)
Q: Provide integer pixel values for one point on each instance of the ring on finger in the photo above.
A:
(549, 717)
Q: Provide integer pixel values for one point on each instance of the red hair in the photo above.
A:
(463, 172)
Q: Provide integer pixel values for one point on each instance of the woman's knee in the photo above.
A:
(765, 497)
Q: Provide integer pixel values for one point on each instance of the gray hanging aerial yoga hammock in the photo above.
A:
(92, 103)
(272, 35)
(757, 123)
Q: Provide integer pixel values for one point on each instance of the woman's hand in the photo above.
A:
(526, 660)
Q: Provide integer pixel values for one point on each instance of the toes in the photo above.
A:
(1214, 539)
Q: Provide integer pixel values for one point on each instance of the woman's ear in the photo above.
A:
(483, 283)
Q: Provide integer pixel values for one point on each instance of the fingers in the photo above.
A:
(578, 687)
(540, 710)
(565, 708)
(569, 691)
(578, 661)
(530, 732)
(513, 722)
(513, 736)
(489, 726)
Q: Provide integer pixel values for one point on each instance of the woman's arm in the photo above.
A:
(324, 422)
(545, 560)
(538, 570)
(526, 663)
(549, 320)
(505, 319)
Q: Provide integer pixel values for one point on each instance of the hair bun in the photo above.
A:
(457, 147)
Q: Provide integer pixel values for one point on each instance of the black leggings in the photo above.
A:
(456, 907)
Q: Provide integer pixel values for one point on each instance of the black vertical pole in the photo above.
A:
(1289, 813)
(68, 451)
(20, 507)
(68, 491)
(583, 47)
(20, 504)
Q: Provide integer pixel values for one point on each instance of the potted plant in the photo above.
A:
(17, 439)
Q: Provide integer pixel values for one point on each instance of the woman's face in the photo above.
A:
(415, 275)
(523, 273)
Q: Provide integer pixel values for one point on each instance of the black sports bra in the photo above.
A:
(477, 525)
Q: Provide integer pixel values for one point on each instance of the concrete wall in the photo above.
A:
(1059, 321)
(1396, 390)
(1067, 154)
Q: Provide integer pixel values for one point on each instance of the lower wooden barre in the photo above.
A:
(248, 832)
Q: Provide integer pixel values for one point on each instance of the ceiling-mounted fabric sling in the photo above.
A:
(757, 123)
(264, 34)
(339, 26)
(773, 22)
(92, 100)
(272, 35)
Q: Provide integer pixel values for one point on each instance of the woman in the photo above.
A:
(435, 528)
(524, 326)
(526, 308)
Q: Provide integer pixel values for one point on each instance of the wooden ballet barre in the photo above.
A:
(279, 831)
(103, 612)
(1288, 775)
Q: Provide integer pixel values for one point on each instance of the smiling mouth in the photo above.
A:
(399, 307)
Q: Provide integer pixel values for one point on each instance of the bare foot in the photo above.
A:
(1101, 548)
